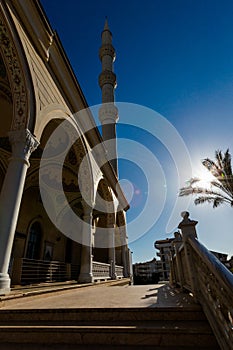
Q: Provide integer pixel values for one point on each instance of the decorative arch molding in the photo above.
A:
(18, 72)
(48, 114)
(5, 91)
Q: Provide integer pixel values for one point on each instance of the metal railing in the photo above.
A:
(28, 271)
(194, 268)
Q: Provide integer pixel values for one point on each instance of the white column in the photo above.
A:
(23, 144)
(188, 230)
(111, 252)
(124, 251)
(85, 275)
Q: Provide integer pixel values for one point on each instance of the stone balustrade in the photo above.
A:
(196, 269)
(119, 271)
(101, 271)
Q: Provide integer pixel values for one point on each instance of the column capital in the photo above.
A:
(23, 144)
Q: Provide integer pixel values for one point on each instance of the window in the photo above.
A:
(34, 242)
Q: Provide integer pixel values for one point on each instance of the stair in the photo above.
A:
(124, 328)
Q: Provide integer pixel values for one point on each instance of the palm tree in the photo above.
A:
(221, 187)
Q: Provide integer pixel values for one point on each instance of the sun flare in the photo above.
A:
(205, 178)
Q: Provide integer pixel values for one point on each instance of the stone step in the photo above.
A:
(30, 346)
(157, 335)
(158, 327)
(193, 313)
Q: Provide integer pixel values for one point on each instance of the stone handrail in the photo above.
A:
(194, 268)
(214, 292)
(119, 271)
(101, 270)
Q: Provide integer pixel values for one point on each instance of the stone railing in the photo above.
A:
(119, 270)
(194, 268)
(101, 270)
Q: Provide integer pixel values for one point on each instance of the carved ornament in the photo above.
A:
(16, 77)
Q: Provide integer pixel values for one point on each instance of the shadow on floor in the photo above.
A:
(166, 296)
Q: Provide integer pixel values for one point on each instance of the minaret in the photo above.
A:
(108, 113)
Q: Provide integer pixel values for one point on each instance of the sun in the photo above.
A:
(205, 178)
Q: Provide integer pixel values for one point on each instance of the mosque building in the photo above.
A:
(62, 210)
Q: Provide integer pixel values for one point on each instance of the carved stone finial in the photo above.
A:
(187, 226)
(184, 214)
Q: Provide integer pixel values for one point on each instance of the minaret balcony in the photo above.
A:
(107, 49)
(108, 112)
(107, 77)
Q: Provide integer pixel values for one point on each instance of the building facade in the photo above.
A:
(147, 272)
(62, 211)
(164, 246)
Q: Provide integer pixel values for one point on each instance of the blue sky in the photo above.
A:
(176, 58)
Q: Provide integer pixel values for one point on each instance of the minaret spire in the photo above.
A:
(108, 113)
(106, 27)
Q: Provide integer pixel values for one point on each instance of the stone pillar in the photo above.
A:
(177, 245)
(123, 258)
(86, 275)
(23, 144)
(124, 252)
(130, 265)
(188, 230)
(111, 252)
(68, 271)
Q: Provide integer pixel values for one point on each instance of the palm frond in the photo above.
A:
(218, 157)
(193, 180)
(221, 190)
(186, 191)
(227, 163)
(215, 200)
(212, 167)
(222, 185)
